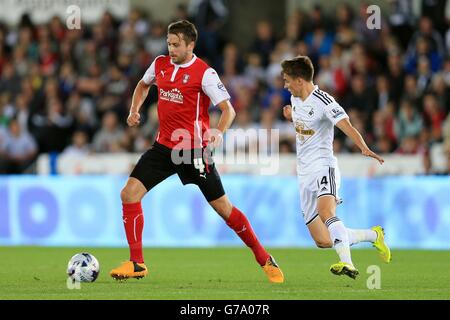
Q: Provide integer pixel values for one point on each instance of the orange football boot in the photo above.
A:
(129, 269)
(273, 271)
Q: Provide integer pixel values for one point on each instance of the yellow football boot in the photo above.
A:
(347, 269)
(380, 245)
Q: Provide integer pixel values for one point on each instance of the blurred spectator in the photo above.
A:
(156, 43)
(409, 121)
(110, 137)
(254, 70)
(22, 111)
(331, 78)
(384, 145)
(360, 97)
(344, 15)
(402, 20)
(6, 109)
(318, 19)
(383, 123)
(136, 22)
(181, 13)
(208, 16)
(396, 76)
(409, 145)
(442, 91)
(427, 31)
(320, 42)
(410, 91)
(17, 150)
(9, 80)
(264, 42)
(423, 50)
(115, 91)
(383, 94)
(295, 27)
(151, 124)
(52, 127)
(424, 74)
(79, 146)
(435, 10)
(433, 116)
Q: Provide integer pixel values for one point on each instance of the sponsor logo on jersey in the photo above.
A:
(173, 95)
(303, 132)
(186, 78)
(221, 86)
(337, 112)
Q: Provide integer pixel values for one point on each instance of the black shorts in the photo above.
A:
(192, 166)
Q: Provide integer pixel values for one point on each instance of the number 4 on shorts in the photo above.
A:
(198, 164)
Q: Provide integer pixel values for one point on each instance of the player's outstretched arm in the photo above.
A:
(345, 126)
(225, 121)
(139, 95)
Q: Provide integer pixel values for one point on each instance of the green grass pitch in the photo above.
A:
(224, 273)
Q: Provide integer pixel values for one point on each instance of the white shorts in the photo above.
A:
(320, 183)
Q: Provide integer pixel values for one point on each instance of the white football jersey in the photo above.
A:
(314, 120)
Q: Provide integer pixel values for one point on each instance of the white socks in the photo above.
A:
(361, 235)
(340, 239)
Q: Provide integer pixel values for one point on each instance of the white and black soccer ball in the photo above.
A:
(83, 267)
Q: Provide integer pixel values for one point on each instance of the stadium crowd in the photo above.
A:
(69, 91)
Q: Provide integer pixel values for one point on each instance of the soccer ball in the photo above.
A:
(83, 267)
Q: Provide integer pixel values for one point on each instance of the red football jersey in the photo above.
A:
(185, 93)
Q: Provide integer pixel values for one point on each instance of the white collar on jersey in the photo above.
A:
(315, 88)
(187, 64)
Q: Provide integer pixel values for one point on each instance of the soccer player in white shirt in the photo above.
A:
(314, 114)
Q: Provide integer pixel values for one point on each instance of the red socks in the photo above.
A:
(133, 220)
(239, 223)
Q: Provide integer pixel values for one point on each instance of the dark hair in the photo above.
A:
(299, 67)
(186, 28)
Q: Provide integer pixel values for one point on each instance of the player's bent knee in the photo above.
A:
(324, 244)
(127, 195)
(223, 209)
(222, 206)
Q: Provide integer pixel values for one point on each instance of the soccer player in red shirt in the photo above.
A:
(186, 88)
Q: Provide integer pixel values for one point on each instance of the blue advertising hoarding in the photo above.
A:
(86, 211)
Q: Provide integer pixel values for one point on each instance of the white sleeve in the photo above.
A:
(150, 76)
(334, 112)
(213, 87)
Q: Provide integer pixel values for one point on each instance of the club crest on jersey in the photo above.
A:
(186, 78)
